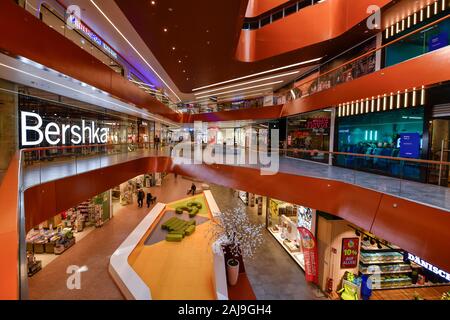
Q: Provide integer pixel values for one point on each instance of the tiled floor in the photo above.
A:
(424, 193)
(95, 249)
(272, 272)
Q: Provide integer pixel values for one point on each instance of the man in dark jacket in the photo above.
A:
(149, 199)
(140, 197)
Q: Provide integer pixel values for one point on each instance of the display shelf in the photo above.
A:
(411, 286)
(385, 272)
(380, 262)
(297, 256)
(383, 248)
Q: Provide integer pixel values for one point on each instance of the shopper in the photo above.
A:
(192, 189)
(149, 199)
(140, 197)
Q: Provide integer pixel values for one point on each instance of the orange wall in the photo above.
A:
(38, 42)
(9, 233)
(428, 69)
(417, 228)
(309, 26)
(257, 7)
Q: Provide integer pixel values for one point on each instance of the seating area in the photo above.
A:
(192, 207)
(178, 229)
(384, 166)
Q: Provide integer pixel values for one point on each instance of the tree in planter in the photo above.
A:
(233, 229)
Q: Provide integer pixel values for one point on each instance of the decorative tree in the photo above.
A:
(233, 228)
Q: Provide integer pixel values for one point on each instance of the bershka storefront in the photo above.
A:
(60, 121)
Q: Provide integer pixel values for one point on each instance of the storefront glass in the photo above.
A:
(380, 134)
(309, 131)
(431, 39)
(283, 220)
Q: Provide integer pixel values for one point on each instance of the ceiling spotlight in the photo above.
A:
(153, 2)
(366, 238)
(357, 233)
(379, 246)
(165, 29)
(173, 48)
(372, 241)
(179, 61)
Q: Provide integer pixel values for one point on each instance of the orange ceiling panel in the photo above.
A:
(309, 26)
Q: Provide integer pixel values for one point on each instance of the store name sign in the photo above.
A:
(428, 266)
(88, 32)
(54, 133)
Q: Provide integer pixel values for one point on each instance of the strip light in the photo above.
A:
(384, 102)
(249, 82)
(417, 16)
(257, 74)
(135, 50)
(82, 92)
(237, 90)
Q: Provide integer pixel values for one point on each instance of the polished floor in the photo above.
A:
(419, 192)
(272, 273)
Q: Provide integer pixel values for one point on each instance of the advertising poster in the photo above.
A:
(409, 145)
(350, 251)
(309, 246)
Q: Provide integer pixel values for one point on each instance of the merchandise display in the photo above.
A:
(387, 268)
(283, 221)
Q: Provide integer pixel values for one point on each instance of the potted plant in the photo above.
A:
(233, 229)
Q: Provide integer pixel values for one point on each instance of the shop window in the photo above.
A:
(380, 134)
(310, 131)
(428, 40)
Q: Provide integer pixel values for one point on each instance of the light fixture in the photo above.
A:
(248, 82)
(135, 50)
(379, 246)
(153, 2)
(165, 29)
(357, 233)
(173, 48)
(372, 241)
(257, 74)
(241, 89)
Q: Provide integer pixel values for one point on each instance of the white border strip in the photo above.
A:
(220, 275)
(128, 281)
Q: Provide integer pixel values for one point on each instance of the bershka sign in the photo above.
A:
(54, 133)
(428, 266)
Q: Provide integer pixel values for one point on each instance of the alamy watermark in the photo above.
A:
(261, 150)
(74, 280)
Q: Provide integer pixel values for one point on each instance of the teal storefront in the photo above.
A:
(427, 40)
(396, 133)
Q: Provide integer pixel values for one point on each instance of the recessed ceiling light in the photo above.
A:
(173, 48)
(165, 29)
(179, 61)
(153, 2)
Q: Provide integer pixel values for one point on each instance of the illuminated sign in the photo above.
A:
(54, 133)
(88, 32)
(428, 266)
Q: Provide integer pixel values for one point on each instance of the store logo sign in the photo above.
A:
(54, 133)
(428, 266)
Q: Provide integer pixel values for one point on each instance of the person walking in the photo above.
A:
(140, 197)
(149, 199)
(192, 189)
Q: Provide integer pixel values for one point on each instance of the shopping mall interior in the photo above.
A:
(225, 150)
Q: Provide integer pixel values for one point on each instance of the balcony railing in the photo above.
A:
(346, 72)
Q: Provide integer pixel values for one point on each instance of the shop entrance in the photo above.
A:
(440, 151)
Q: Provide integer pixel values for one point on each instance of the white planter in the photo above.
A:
(232, 272)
